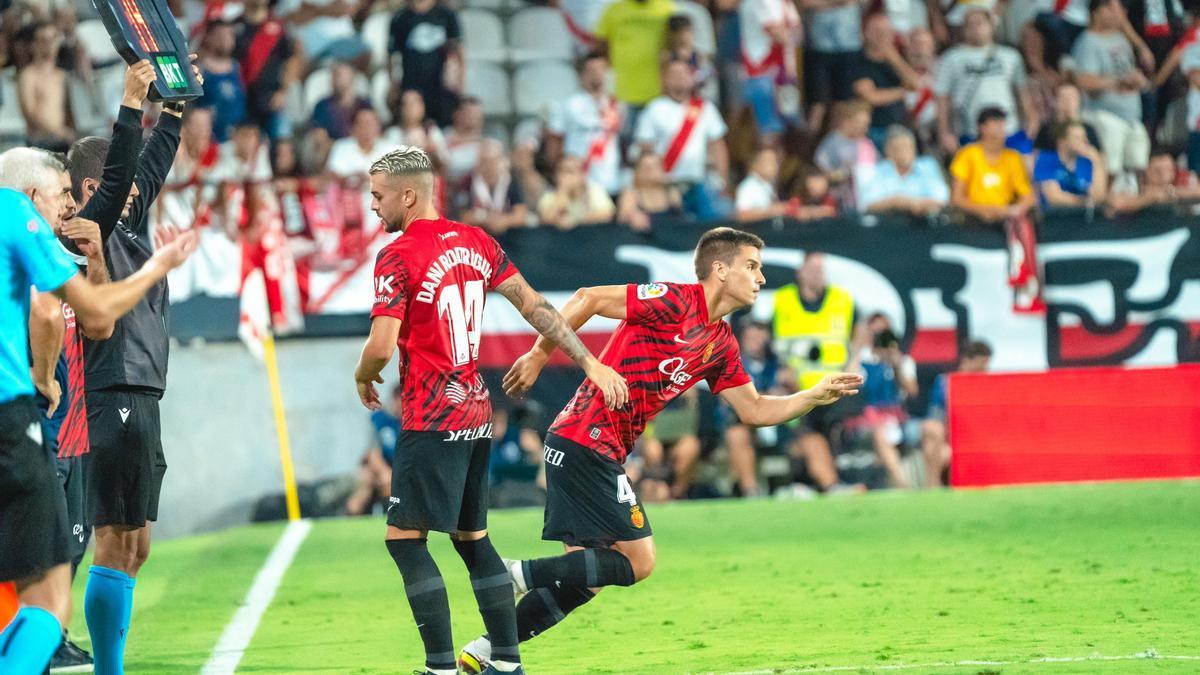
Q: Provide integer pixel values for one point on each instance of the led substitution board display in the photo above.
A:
(145, 29)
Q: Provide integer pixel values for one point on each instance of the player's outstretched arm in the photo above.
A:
(606, 301)
(540, 314)
(756, 410)
(376, 353)
(98, 307)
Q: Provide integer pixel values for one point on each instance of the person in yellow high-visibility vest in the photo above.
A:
(814, 325)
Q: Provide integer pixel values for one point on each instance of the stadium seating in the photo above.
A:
(489, 83)
(483, 35)
(539, 33)
(375, 34)
(319, 85)
(706, 35)
(94, 38)
(539, 85)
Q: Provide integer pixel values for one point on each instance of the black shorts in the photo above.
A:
(33, 514)
(589, 500)
(829, 76)
(125, 471)
(440, 480)
(72, 475)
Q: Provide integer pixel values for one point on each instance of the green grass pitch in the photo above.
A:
(874, 582)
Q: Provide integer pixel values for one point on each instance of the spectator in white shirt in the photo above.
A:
(689, 134)
(587, 125)
(463, 139)
(921, 54)
(757, 198)
(325, 29)
(770, 31)
(351, 157)
(1107, 72)
(575, 200)
(903, 182)
(976, 75)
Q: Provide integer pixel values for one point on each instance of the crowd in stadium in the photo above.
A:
(591, 112)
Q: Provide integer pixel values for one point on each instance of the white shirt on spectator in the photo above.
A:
(580, 120)
(347, 159)
(1110, 55)
(659, 124)
(318, 34)
(754, 16)
(955, 11)
(906, 15)
(980, 77)
(837, 29)
(434, 142)
(231, 168)
(754, 193)
(924, 180)
(461, 156)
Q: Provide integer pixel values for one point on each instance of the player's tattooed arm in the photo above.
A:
(555, 330)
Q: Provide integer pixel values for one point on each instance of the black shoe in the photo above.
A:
(71, 658)
(491, 670)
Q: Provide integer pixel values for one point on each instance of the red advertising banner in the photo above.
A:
(1069, 425)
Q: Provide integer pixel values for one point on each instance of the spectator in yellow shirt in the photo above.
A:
(990, 184)
(634, 32)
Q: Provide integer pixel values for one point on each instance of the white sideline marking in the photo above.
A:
(229, 650)
(1148, 654)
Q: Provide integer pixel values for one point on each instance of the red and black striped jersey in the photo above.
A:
(663, 348)
(73, 434)
(435, 278)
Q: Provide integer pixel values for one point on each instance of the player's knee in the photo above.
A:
(642, 564)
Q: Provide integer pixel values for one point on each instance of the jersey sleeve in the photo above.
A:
(655, 303)
(502, 267)
(732, 373)
(391, 285)
(34, 245)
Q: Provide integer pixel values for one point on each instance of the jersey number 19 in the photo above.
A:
(463, 309)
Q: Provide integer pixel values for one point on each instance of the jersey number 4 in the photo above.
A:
(463, 309)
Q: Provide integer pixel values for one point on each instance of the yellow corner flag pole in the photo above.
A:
(285, 448)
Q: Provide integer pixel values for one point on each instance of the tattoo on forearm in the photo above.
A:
(543, 317)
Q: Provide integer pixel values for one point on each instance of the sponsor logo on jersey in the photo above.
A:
(483, 431)
(637, 517)
(447, 235)
(552, 456)
(650, 291)
(673, 369)
(595, 433)
(441, 266)
(384, 289)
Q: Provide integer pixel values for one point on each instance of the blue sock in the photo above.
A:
(107, 604)
(29, 641)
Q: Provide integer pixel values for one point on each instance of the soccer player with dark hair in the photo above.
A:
(671, 337)
(430, 287)
(33, 519)
(125, 376)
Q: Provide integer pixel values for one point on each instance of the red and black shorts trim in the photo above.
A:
(33, 513)
(440, 480)
(589, 500)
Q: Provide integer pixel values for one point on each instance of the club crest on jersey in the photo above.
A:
(636, 517)
(708, 350)
(650, 291)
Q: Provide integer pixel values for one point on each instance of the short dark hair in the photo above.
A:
(975, 349)
(589, 57)
(1063, 128)
(678, 22)
(1096, 5)
(721, 243)
(989, 114)
(86, 159)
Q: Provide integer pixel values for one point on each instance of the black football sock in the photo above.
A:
(543, 608)
(494, 594)
(427, 597)
(589, 568)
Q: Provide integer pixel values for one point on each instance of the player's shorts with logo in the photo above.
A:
(33, 514)
(125, 472)
(72, 475)
(440, 480)
(589, 501)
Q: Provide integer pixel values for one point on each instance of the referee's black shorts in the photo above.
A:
(33, 513)
(440, 480)
(125, 471)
